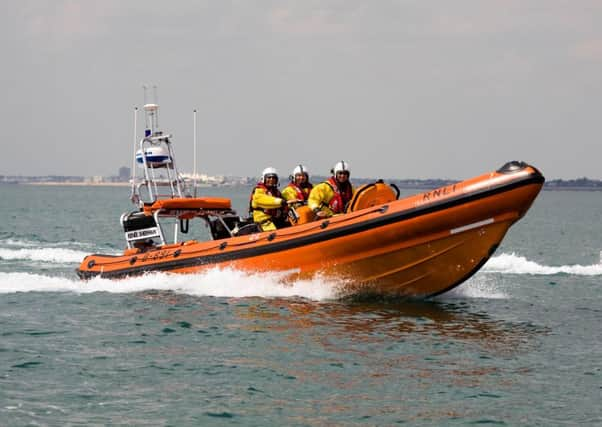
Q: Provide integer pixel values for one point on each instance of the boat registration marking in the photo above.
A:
(142, 234)
(471, 226)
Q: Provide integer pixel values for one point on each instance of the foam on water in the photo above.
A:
(479, 286)
(18, 242)
(214, 282)
(60, 253)
(485, 286)
(232, 283)
(515, 264)
(24, 243)
(51, 255)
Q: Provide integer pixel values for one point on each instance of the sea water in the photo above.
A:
(520, 343)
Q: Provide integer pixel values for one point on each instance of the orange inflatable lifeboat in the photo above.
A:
(418, 246)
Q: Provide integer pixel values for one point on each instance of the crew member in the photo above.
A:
(266, 203)
(297, 191)
(332, 196)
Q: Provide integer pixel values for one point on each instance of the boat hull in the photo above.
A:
(418, 246)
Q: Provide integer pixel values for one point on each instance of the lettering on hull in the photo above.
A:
(439, 192)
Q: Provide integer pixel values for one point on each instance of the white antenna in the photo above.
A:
(151, 109)
(134, 156)
(156, 101)
(144, 87)
(194, 150)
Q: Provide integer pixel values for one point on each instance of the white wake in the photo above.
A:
(63, 253)
(50, 255)
(516, 264)
(214, 282)
(232, 283)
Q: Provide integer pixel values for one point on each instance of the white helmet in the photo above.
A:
(341, 166)
(269, 171)
(299, 169)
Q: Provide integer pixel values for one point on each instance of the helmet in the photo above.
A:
(341, 166)
(299, 169)
(269, 172)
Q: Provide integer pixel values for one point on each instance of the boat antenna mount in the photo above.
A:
(154, 155)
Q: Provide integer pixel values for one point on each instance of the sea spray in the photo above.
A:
(232, 283)
(50, 255)
(63, 253)
(214, 282)
(479, 286)
(516, 264)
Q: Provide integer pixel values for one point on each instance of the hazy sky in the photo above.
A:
(400, 89)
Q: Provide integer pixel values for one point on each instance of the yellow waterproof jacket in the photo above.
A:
(320, 198)
(265, 207)
(291, 192)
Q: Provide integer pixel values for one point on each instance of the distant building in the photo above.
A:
(97, 179)
(124, 173)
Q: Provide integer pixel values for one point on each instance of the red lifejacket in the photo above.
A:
(302, 193)
(341, 196)
(274, 192)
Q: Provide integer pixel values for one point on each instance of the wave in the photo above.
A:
(26, 250)
(18, 242)
(516, 264)
(232, 283)
(479, 286)
(51, 255)
(215, 282)
(48, 252)
(24, 243)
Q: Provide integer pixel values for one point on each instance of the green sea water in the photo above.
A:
(520, 343)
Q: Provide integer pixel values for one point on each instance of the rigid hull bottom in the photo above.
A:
(423, 270)
(417, 271)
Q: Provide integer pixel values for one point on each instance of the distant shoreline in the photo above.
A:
(101, 184)
(77, 184)
(423, 187)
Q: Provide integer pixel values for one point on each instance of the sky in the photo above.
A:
(399, 89)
